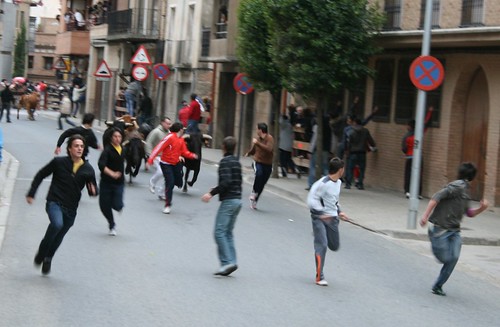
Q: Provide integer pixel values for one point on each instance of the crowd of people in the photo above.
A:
(82, 19)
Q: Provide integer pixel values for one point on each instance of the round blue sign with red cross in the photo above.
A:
(242, 85)
(161, 71)
(426, 73)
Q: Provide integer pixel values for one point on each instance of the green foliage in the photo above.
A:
(20, 52)
(306, 46)
(253, 46)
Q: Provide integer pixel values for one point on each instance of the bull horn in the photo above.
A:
(108, 123)
(129, 124)
(186, 136)
(207, 137)
(125, 143)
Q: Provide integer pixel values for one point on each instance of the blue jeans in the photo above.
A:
(192, 127)
(356, 159)
(130, 103)
(326, 235)
(446, 246)
(110, 197)
(6, 107)
(223, 231)
(312, 167)
(173, 177)
(61, 220)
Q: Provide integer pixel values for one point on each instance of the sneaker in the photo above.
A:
(322, 282)
(407, 195)
(347, 186)
(438, 291)
(151, 188)
(253, 196)
(253, 204)
(46, 266)
(166, 210)
(161, 197)
(112, 232)
(226, 270)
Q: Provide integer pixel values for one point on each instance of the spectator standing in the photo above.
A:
(327, 141)
(80, 20)
(155, 137)
(359, 140)
(132, 93)
(194, 115)
(172, 149)
(407, 148)
(229, 190)
(7, 99)
(262, 151)
(111, 165)
(70, 174)
(323, 202)
(146, 109)
(78, 97)
(445, 211)
(184, 113)
(286, 146)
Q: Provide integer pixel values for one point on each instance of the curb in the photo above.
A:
(8, 173)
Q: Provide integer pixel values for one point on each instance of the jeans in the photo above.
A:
(356, 159)
(286, 162)
(110, 197)
(173, 177)
(446, 246)
(6, 107)
(65, 117)
(130, 103)
(192, 127)
(312, 167)
(223, 231)
(262, 174)
(326, 235)
(61, 220)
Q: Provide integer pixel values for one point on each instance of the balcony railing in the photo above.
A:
(221, 32)
(134, 24)
(393, 15)
(472, 13)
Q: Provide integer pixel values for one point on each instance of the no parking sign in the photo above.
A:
(426, 73)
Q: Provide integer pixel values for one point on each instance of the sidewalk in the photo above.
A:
(380, 211)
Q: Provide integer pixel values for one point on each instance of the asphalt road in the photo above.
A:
(158, 270)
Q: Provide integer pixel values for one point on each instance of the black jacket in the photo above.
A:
(66, 187)
(87, 133)
(113, 160)
(229, 179)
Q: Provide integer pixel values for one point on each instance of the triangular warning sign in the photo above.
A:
(141, 57)
(60, 64)
(103, 70)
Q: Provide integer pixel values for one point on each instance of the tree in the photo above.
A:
(255, 59)
(321, 46)
(20, 52)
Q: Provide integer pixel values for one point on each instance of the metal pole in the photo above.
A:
(419, 127)
(240, 131)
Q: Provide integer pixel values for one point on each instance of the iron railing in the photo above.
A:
(392, 10)
(135, 23)
(472, 13)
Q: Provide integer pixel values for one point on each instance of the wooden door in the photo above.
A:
(476, 130)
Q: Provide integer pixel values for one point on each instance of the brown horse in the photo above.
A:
(29, 101)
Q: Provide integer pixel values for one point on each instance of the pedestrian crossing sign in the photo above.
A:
(103, 70)
(141, 57)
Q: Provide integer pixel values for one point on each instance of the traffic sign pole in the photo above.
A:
(419, 127)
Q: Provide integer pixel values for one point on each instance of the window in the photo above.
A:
(472, 13)
(393, 15)
(406, 99)
(222, 17)
(435, 13)
(382, 92)
(31, 62)
(48, 63)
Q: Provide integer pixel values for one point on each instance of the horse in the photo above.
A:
(194, 143)
(30, 102)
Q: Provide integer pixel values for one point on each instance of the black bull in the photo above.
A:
(194, 143)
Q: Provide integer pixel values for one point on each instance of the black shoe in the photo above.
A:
(8, 121)
(38, 260)
(360, 187)
(438, 291)
(307, 188)
(347, 186)
(46, 266)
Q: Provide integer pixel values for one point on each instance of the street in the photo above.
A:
(158, 270)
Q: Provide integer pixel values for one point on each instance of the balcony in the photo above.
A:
(141, 25)
(73, 43)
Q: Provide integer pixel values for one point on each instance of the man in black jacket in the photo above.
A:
(7, 99)
(229, 190)
(69, 175)
(84, 130)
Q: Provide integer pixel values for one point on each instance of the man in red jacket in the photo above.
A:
(194, 115)
(173, 150)
(184, 113)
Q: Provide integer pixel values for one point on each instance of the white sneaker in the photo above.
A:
(151, 188)
(322, 283)
(112, 232)
(407, 195)
(166, 210)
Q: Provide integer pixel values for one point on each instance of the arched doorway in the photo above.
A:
(476, 130)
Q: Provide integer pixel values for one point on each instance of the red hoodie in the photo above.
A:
(171, 148)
